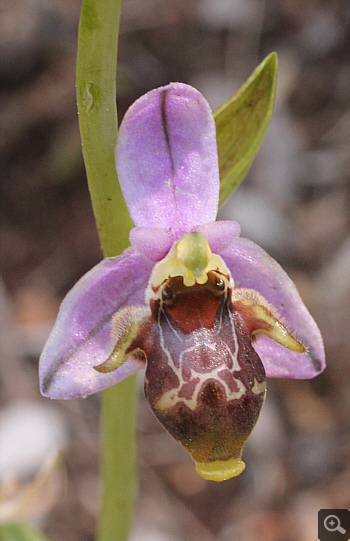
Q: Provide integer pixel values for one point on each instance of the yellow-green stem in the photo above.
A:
(96, 97)
(118, 460)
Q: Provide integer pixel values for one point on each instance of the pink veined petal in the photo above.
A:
(220, 235)
(252, 267)
(166, 159)
(80, 338)
(153, 242)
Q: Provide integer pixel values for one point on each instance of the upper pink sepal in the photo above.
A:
(166, 159)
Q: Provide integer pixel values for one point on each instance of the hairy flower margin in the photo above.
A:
(208, 313)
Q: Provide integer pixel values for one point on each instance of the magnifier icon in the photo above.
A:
(332, 524)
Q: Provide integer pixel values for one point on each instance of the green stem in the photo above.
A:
(96, 96)
(118, 460)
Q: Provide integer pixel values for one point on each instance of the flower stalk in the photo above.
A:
(96, 98)
(98, 123)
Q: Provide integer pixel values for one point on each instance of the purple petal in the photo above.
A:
(166, 159)
(153, 242)
(220, 235)
(80, 338)
(253, 268)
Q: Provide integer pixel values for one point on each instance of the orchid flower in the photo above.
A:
(209, 314)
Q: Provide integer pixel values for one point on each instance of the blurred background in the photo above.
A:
(294, 202)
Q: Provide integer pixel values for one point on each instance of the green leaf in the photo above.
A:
(241, 124)
(20, 531)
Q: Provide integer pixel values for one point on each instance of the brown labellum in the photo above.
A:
(204, 381)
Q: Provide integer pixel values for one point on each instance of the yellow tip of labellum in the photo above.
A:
(220, 470)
